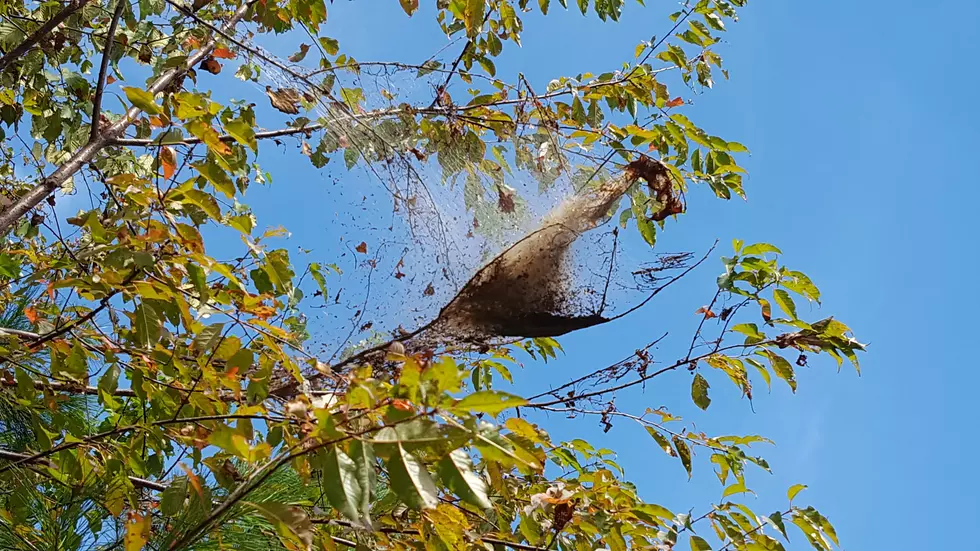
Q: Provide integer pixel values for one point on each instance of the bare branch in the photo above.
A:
(224, 137)
(70, 8)
(100, 85)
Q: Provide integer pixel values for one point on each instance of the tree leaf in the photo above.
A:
(776, 519)
(489, 401)
(760, 248)
(699, 544)
(794, 490)
(737, 488)
(410, 6)
(242, 132)
(137, 531)
(329, 45)
(782, 368)
(699, 391)
(147, 325)
(172, 499)
(143, 100)
(343, 488)
(456, 472)
(683, 452)
(411, 480)
(362, 453)
(290, 521)
(785, 302)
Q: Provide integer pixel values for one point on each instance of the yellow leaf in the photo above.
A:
(137, 532)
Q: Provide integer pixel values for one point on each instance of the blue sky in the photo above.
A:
(861, 121)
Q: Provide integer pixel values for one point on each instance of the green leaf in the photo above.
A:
(737, 488)
(760, 248)
(776, 519)
(147, 325)
(683, 452)
(782, 368)
(343, 488)
(785, 302)
(763, 372)
(217, 176)
(543, 4)
(172, 499)
(661, 441)
(456, 472)
(362, 453)
(290, 522)
(330, 45)
(143, 100)
(411, 480)
(489, 401)
(794, 490)
(699, 391)
(751, 332)
(473, 16)
(242, 132)
(699, 544)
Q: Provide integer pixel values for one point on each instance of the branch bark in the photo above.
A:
(70, 8)
(49, 184)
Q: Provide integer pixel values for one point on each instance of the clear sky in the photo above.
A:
(861, 119)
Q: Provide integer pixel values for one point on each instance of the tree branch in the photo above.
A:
(100, 85)
(70, 8)
(49, 184)
(24, 458)
(149, 142)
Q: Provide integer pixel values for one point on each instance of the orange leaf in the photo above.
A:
(192, 478)
(706, 311)
(675, 102)
(403, 405)
(110, 79)
(168, 160)
(31, 314)
(223, 53)
(362, 248)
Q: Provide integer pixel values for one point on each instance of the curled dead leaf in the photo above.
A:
(675, 102)
(285, 100)
(706, 311)
(362, 248)
(298, 56)
(211, 65)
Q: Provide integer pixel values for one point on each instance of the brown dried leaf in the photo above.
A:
(211, 65)
(285, 100)
(362, 248)
(298, 56)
